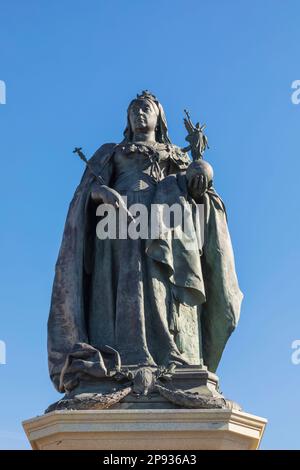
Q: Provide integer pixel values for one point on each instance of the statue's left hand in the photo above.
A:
(197, 185)
(199, 177)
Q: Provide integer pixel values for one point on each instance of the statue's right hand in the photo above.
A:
(105, 195)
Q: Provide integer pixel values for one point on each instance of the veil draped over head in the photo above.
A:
(161, 132)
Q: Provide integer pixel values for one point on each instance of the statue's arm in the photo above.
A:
(101, 192)
(102, 163)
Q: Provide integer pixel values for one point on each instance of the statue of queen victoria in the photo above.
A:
(127, 312)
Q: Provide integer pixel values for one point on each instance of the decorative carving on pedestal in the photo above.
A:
(201, 390)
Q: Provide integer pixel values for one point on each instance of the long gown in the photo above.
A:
(133, 308)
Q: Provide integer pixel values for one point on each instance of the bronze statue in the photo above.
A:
(196, 137)
(143, 315)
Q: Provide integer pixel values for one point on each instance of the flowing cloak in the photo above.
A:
(203, 277)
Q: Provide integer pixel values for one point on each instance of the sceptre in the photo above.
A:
(101, 181)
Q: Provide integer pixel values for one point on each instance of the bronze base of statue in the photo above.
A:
(140, 387)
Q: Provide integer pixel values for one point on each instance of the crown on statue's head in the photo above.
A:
(146, 94)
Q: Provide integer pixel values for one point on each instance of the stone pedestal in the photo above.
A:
(145, 429)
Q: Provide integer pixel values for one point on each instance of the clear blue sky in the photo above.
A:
(71, 68)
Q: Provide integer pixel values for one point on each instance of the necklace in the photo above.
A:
(150, 151)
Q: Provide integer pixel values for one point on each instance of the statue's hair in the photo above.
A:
(161, 132)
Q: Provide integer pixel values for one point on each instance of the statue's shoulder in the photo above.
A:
(102, 155)
(180, 158)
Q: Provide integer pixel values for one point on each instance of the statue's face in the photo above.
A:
(142, 116)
